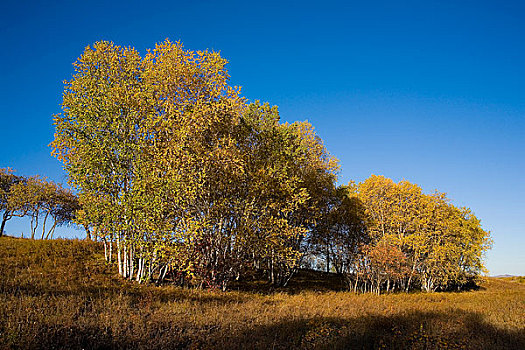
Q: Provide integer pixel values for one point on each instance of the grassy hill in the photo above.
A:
(61, 294)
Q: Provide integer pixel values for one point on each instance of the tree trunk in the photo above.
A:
(119, 258)
(125, 262)
(327, 258)
(44, 226)
(105, 250)
(5, 217)
(34, 225)
(131, 262)
(139, 269)
(51, 231)
(88, 233)
(410, 277)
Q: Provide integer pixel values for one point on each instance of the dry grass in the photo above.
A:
(60, 294)
(518, 279)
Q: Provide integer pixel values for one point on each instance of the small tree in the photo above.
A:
(7, 181)
(42, 200)
(61, 205)
(27, 198)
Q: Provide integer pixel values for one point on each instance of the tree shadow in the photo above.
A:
(305, 280)
(417, 330)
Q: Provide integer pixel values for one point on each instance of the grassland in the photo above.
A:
(61, 294)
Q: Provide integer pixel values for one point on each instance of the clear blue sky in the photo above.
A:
(431, 92)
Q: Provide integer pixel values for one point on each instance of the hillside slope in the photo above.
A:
(61, 294)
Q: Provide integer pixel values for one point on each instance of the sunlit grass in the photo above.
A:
(61, 294)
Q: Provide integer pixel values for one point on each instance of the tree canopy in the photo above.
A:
(181, 172)
(414, 239)
(186, 179)
(38, 199)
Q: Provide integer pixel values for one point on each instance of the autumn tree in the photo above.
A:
(342, 229)
(451, 246)
(97, 135)
(378, 267)
(26, 199)
(289, 176)
(7, 180)
(181, 177)
(43, 202)
(60, 205)
(434, 244)
(174, 167)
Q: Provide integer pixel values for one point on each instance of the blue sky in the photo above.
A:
(431, 92)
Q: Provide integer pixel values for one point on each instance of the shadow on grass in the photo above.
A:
(302, 281)
(454, 330)
(417, 330)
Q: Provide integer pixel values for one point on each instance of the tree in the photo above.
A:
(97, 133)
(173, 166)
(26, 199)
(7, 180)
(342, 229)
(42, 200)
(415, 240)
(184, 178)
(451, 246)
(61, 205)
(380, 266)
(289, 174)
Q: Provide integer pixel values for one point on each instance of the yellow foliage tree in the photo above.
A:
(175, 168)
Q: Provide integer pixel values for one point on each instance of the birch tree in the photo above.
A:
(7, 181)
(416, 240)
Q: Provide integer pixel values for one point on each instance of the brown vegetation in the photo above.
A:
(61, 294)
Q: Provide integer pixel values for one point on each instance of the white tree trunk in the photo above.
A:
(119, 258)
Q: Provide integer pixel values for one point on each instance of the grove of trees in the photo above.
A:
(183, 179)
(46, 203)
(390, 236)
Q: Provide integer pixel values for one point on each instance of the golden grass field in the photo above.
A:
(61, 294)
